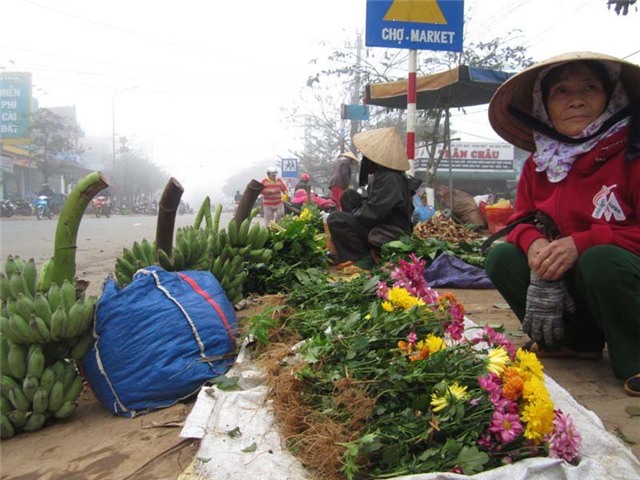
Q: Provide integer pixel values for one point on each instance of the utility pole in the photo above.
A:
(357, 84)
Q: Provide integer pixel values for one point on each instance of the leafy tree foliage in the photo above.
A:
(53, 137)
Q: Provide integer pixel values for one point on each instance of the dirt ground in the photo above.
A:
(93, 444)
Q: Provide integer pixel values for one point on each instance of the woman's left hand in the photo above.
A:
(556, 259)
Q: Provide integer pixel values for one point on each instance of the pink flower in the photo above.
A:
(455, 330)
(565, 439)
(493, 338)
(491, 384)
(506, 426)
(413, 338)
(381, 290)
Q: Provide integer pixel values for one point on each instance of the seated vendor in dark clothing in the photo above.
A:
(384, 214)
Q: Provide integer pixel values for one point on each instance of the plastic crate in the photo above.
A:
(497, 218)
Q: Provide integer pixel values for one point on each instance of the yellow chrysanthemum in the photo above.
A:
(387, 306)
(535, 388)
(528, 364)
(403, 299)
(455, 391)
(438, 403)
(435, 343)
(538, 417)
(458, 391)
(305, 215)
(497, 359)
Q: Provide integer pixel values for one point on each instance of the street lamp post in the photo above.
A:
(113, 125)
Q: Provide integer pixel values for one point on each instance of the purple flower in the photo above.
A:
(565, 439)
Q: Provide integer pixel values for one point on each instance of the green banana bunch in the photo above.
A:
(140, 255)
(231, 249)
(190, 252)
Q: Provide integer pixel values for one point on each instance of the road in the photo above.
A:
(100, 241)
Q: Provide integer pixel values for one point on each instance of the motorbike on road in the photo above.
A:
(101, 205)
(43, 207)
(7, 209)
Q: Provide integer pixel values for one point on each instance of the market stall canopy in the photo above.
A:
(462, 86)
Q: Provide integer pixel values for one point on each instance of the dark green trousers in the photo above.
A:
(605, 285)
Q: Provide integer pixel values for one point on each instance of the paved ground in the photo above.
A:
(92, 444)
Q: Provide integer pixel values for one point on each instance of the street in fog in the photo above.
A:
(100, 240)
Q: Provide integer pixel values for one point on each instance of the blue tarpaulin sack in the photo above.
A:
(159, 339)
(449, 271)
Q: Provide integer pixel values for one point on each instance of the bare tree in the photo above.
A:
(346, 65)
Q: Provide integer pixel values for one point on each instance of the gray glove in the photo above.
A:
(546, 302)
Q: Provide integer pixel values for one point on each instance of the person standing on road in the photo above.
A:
(274, 189)
(341, 176)
(579, 287)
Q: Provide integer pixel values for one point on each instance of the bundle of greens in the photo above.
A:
(389, 382)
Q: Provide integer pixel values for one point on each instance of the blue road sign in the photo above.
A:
(289, 168)
(415, 24)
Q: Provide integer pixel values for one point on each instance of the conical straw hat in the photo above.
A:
(349, 154)
(518, 92)
(383, 146)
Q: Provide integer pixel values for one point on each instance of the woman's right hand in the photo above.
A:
(534, 250)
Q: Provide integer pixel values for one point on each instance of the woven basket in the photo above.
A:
(327, 238)
(497, 218)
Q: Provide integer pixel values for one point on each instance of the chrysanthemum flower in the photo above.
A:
(455, 391)
(538, 416)
(401, 298)
(528, 363)
(565, 439)
(387, 306)
(435, 343)
(305, 215)
(512, 383)
(506, 426)
(497, 359)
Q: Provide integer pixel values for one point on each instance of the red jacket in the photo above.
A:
(597, 203)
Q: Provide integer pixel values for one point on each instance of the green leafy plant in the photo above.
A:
(388, 363)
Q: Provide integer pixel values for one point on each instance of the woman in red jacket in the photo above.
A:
(579, 288)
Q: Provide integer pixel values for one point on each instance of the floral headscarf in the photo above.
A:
(556, 157)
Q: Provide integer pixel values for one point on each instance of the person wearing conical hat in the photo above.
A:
(385, 213)
(576, 291)
(341, 175)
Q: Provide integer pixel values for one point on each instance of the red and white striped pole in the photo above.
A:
(411, 110)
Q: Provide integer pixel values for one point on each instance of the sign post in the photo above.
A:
(289, 167)
(416, 25)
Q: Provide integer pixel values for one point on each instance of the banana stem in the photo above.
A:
(64, 250)
(251, 193)
(167, 209)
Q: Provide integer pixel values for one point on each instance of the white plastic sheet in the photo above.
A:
(216, 413)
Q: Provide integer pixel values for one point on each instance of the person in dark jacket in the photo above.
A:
(385, 213)
(341, 176)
